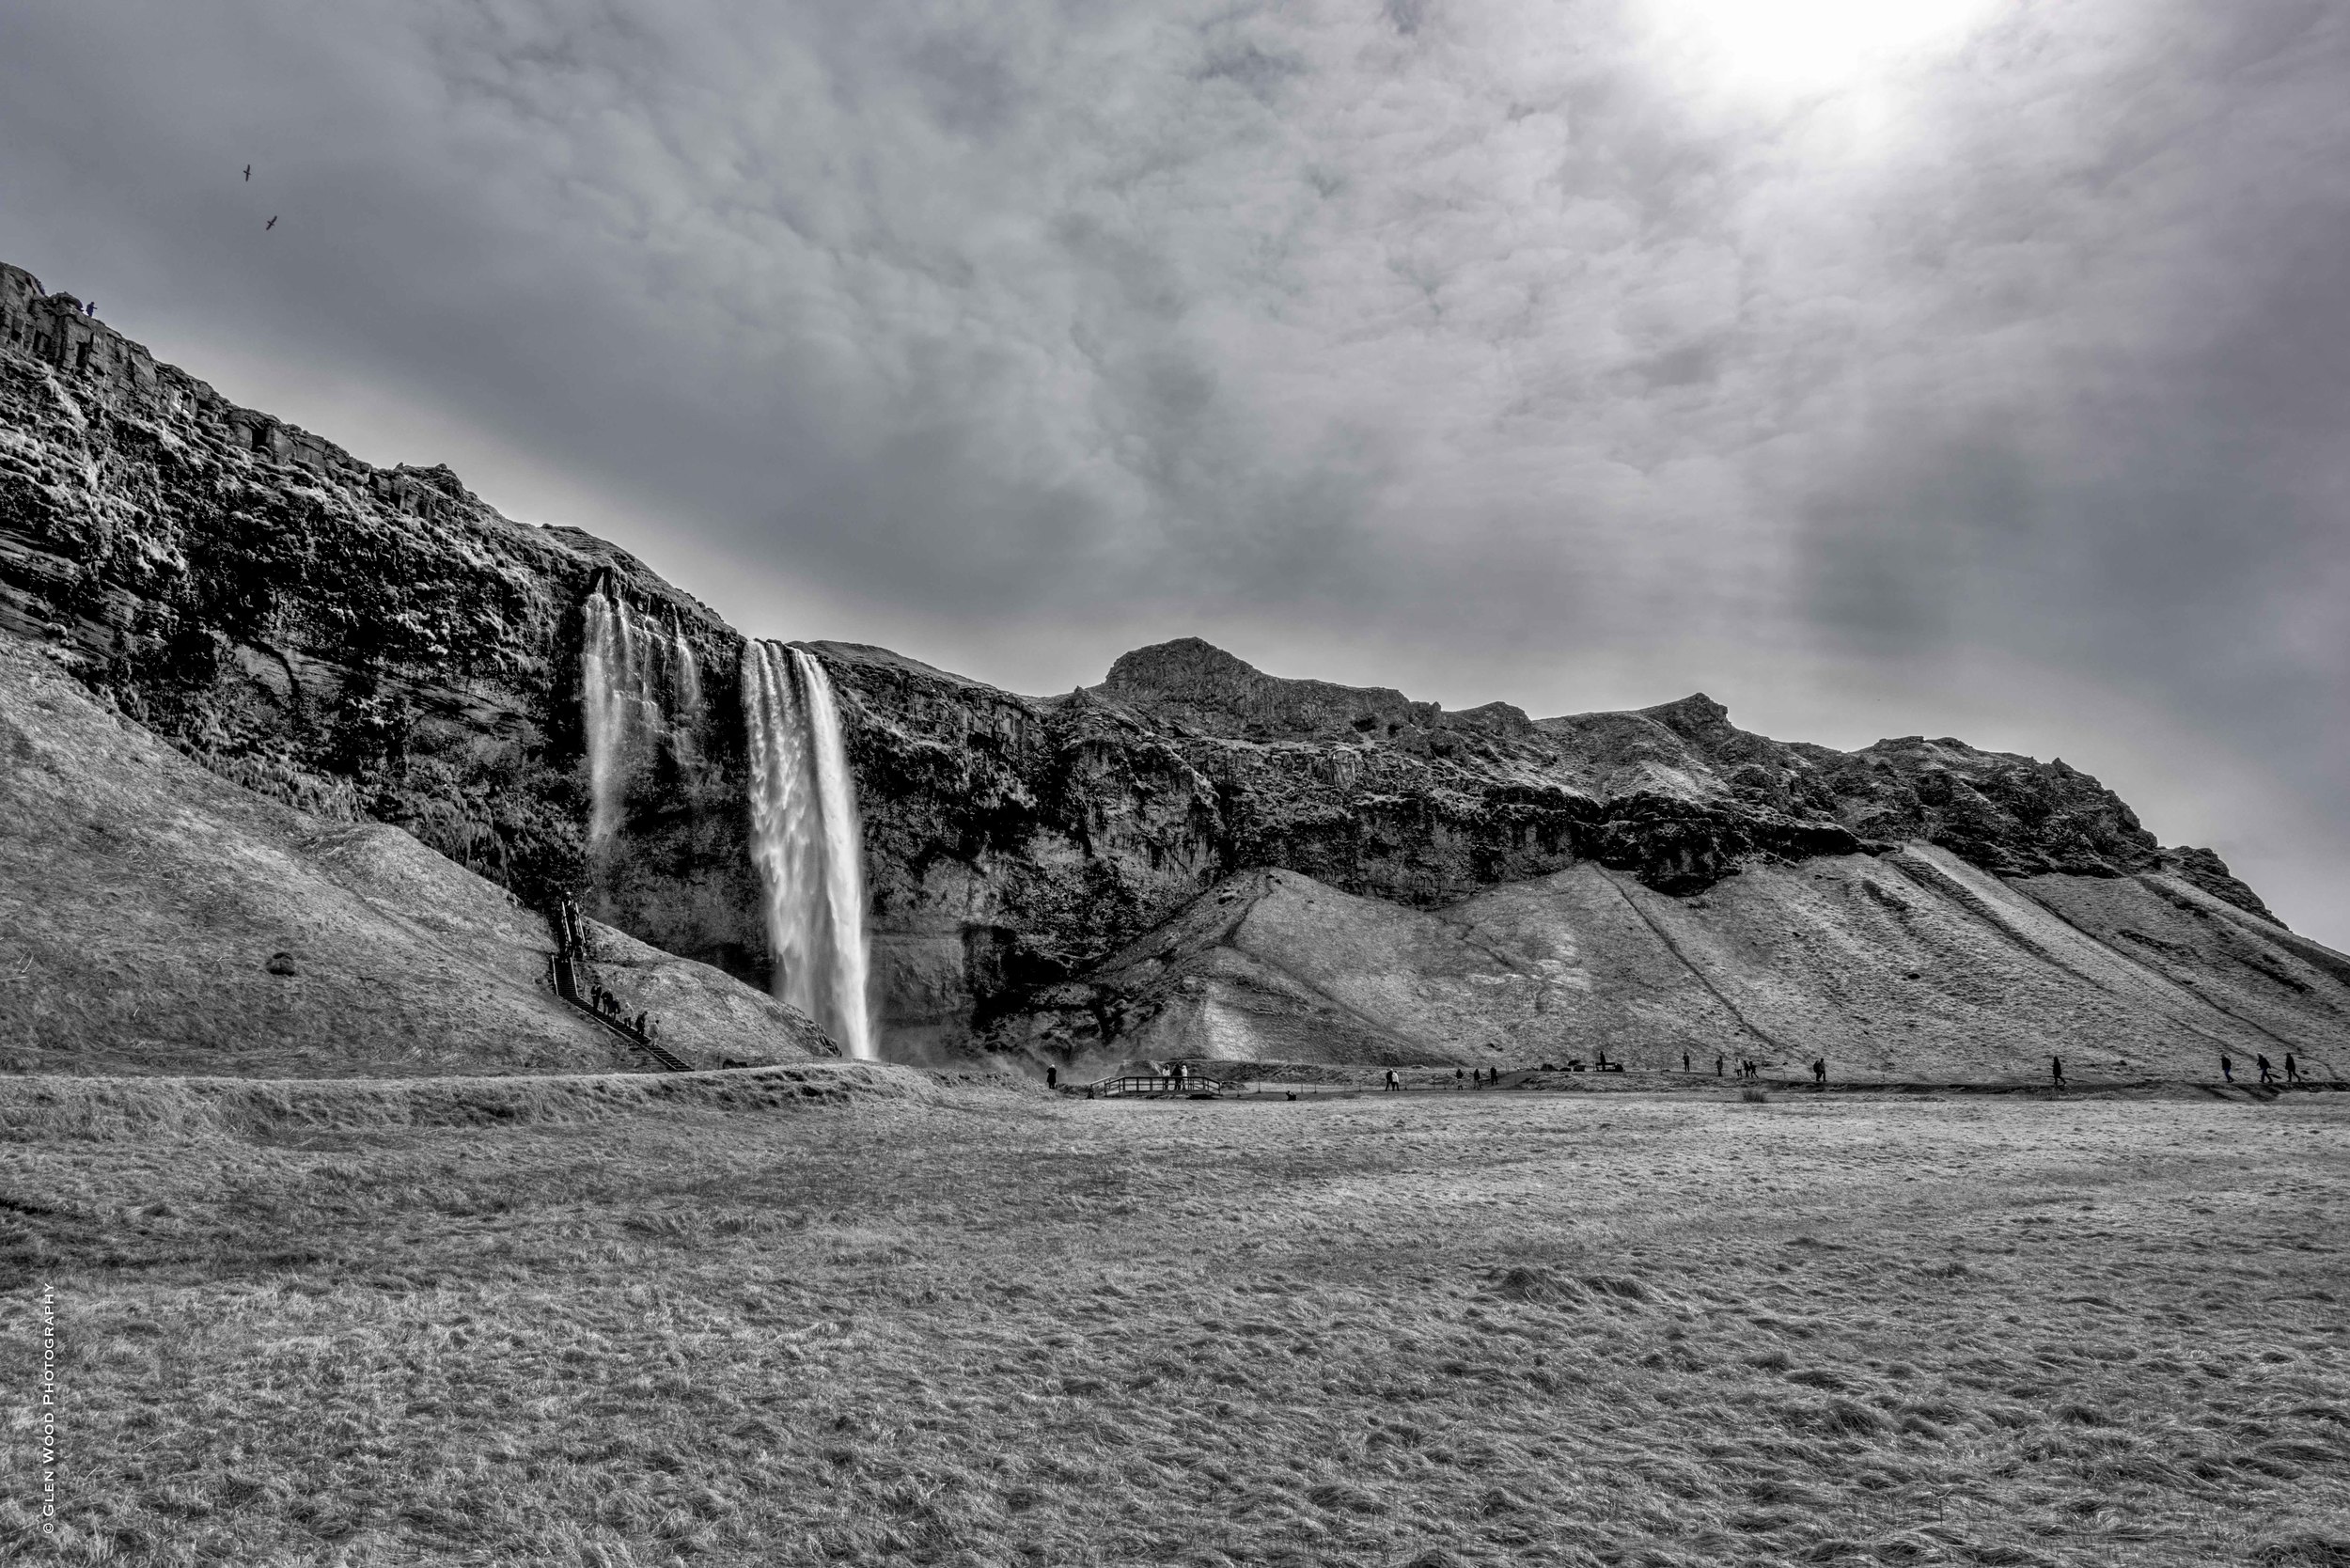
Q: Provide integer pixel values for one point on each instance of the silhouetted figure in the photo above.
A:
(2293, 1069)
(272, 224)
(2227, 1066)
(640, 1022)
(2268, 1075)
(1717, 1066)
(2056, 1070)
(1819, 1071)
(1603, 1060)
(1392, 1082)
(90, 310)
(1457, 1076)
(1684, 1061)
(248, 174)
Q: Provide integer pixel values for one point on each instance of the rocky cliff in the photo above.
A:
(379, 643)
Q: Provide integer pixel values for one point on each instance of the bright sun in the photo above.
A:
(1790, 49)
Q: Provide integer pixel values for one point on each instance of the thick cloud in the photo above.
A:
(1966, 365)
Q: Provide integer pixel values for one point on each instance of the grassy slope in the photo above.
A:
(1914, 964)
(985, 1328)
(141, 899)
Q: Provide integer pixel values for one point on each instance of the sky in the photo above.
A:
(1977, 368)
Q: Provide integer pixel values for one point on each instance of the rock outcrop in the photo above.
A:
(379, 644)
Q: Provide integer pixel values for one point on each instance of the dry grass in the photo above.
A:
(982, 1327)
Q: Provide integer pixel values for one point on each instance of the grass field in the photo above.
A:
(899, 1323)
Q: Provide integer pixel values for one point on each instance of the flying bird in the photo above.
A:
(267, 227)
(248, 174)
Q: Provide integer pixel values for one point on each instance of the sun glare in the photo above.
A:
(1792, 49)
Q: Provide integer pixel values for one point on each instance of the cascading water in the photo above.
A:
(806, 843)
(616, 691)
(685, 678)
(623, 686)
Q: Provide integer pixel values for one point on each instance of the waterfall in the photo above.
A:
(806, 843)
(685, 676)
(616, 692)
(626, 667)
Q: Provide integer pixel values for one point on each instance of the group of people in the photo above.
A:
(609, 1004)
(2268, 1073)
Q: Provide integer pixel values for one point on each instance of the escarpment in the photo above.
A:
(380, 643)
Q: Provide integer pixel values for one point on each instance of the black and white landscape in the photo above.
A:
(527, 1045)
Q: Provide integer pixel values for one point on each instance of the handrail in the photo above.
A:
(1151, 1083)
(564, 966)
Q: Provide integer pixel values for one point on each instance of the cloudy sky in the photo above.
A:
(1955, 367)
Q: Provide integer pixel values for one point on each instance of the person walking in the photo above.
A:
(1052, 1077)
(1718, 1064)
(2293, 1069)
(2268, 1073)
(1393, 1083)
(2227, 1066)
(2056, 1070)
(1457, 1078)
(1819, 1072)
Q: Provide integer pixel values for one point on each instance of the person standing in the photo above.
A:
(1819, 1072)
(1684, 1061)
(1052, 1077)
(1392, 1084)
(2056, 1070)
(1718, 1064)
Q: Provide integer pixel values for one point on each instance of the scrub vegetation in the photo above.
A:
(871, 1318)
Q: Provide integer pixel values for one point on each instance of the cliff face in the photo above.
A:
(356, 641)
(1017, 842)
(365, 642)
